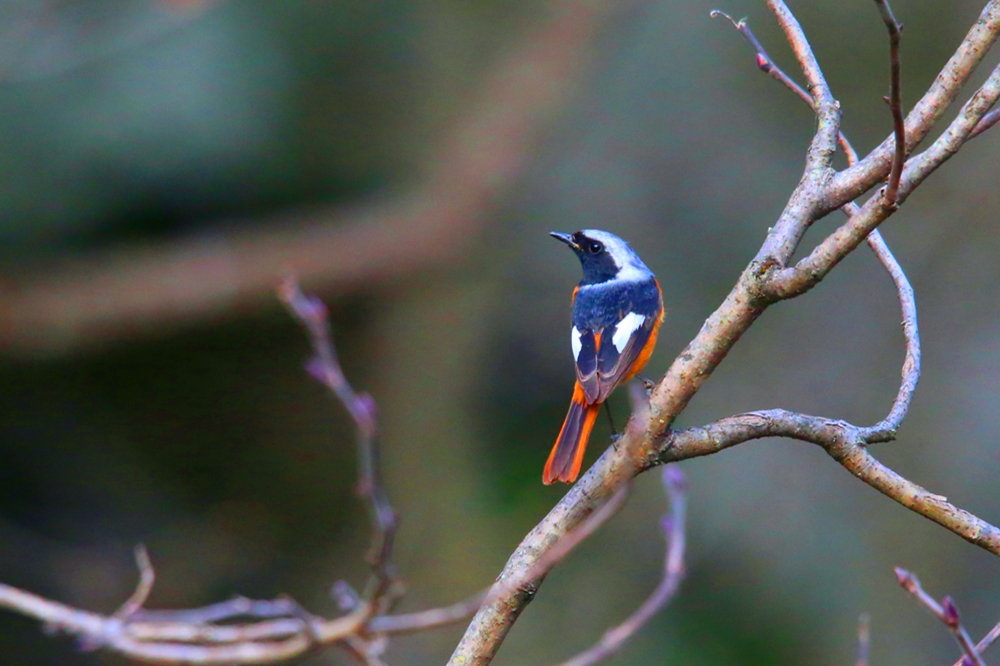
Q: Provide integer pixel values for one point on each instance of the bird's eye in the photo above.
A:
(595, 247)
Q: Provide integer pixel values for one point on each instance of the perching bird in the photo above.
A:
(617, 311)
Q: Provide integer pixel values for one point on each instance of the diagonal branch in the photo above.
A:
(765, 280)
(983, 644)
(946, 611)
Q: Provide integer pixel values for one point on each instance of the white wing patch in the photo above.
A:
(624, 330)
(575, 341)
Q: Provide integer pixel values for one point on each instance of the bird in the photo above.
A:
(617, 312)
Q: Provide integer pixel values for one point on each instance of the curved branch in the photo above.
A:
(946, 611)
(846, 444)
(885, 430)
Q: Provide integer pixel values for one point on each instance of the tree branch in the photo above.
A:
(766, 280)
(945, 611)
(846, 444)
(324, 366)
(982, 645)
(284, 629)
(895, 101)
(853, 182)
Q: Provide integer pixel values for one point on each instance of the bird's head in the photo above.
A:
(604, 256)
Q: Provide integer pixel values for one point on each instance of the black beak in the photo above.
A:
(565, 238)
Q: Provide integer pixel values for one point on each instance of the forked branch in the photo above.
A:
(768, 278)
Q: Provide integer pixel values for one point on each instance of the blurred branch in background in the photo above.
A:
(947, 612)
(769, 278)
(128, 292)
(283, 628)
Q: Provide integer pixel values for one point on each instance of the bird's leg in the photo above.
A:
(611, 422)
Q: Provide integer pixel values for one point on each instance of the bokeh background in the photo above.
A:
(161, 163)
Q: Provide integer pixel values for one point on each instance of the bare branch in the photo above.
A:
(885, 430)
(845, 443)
(312, 314)
(895, 101)
(982, 645)
(764, 61)
(802, 207)
(427, 619)
(147, 576)
(673, 574)
(527, 582)
(853, 182)
(946, 611)
(768, 66)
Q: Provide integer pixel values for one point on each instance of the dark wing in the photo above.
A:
(620, 349)
(605, 358)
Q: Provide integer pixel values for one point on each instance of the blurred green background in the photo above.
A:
(128, 125)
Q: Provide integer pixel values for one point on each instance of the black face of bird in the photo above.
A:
(598, 264)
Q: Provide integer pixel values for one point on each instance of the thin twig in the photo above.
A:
(147, 576)
(864, 639)
(764, 61)
(673, 574)
(945, 611)
(427, 619)
(895, 101)
(312, 314)
(885, 430)
(988, 121)
(767, 65)
(987, 640)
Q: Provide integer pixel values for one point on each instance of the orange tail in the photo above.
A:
(567, 454)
